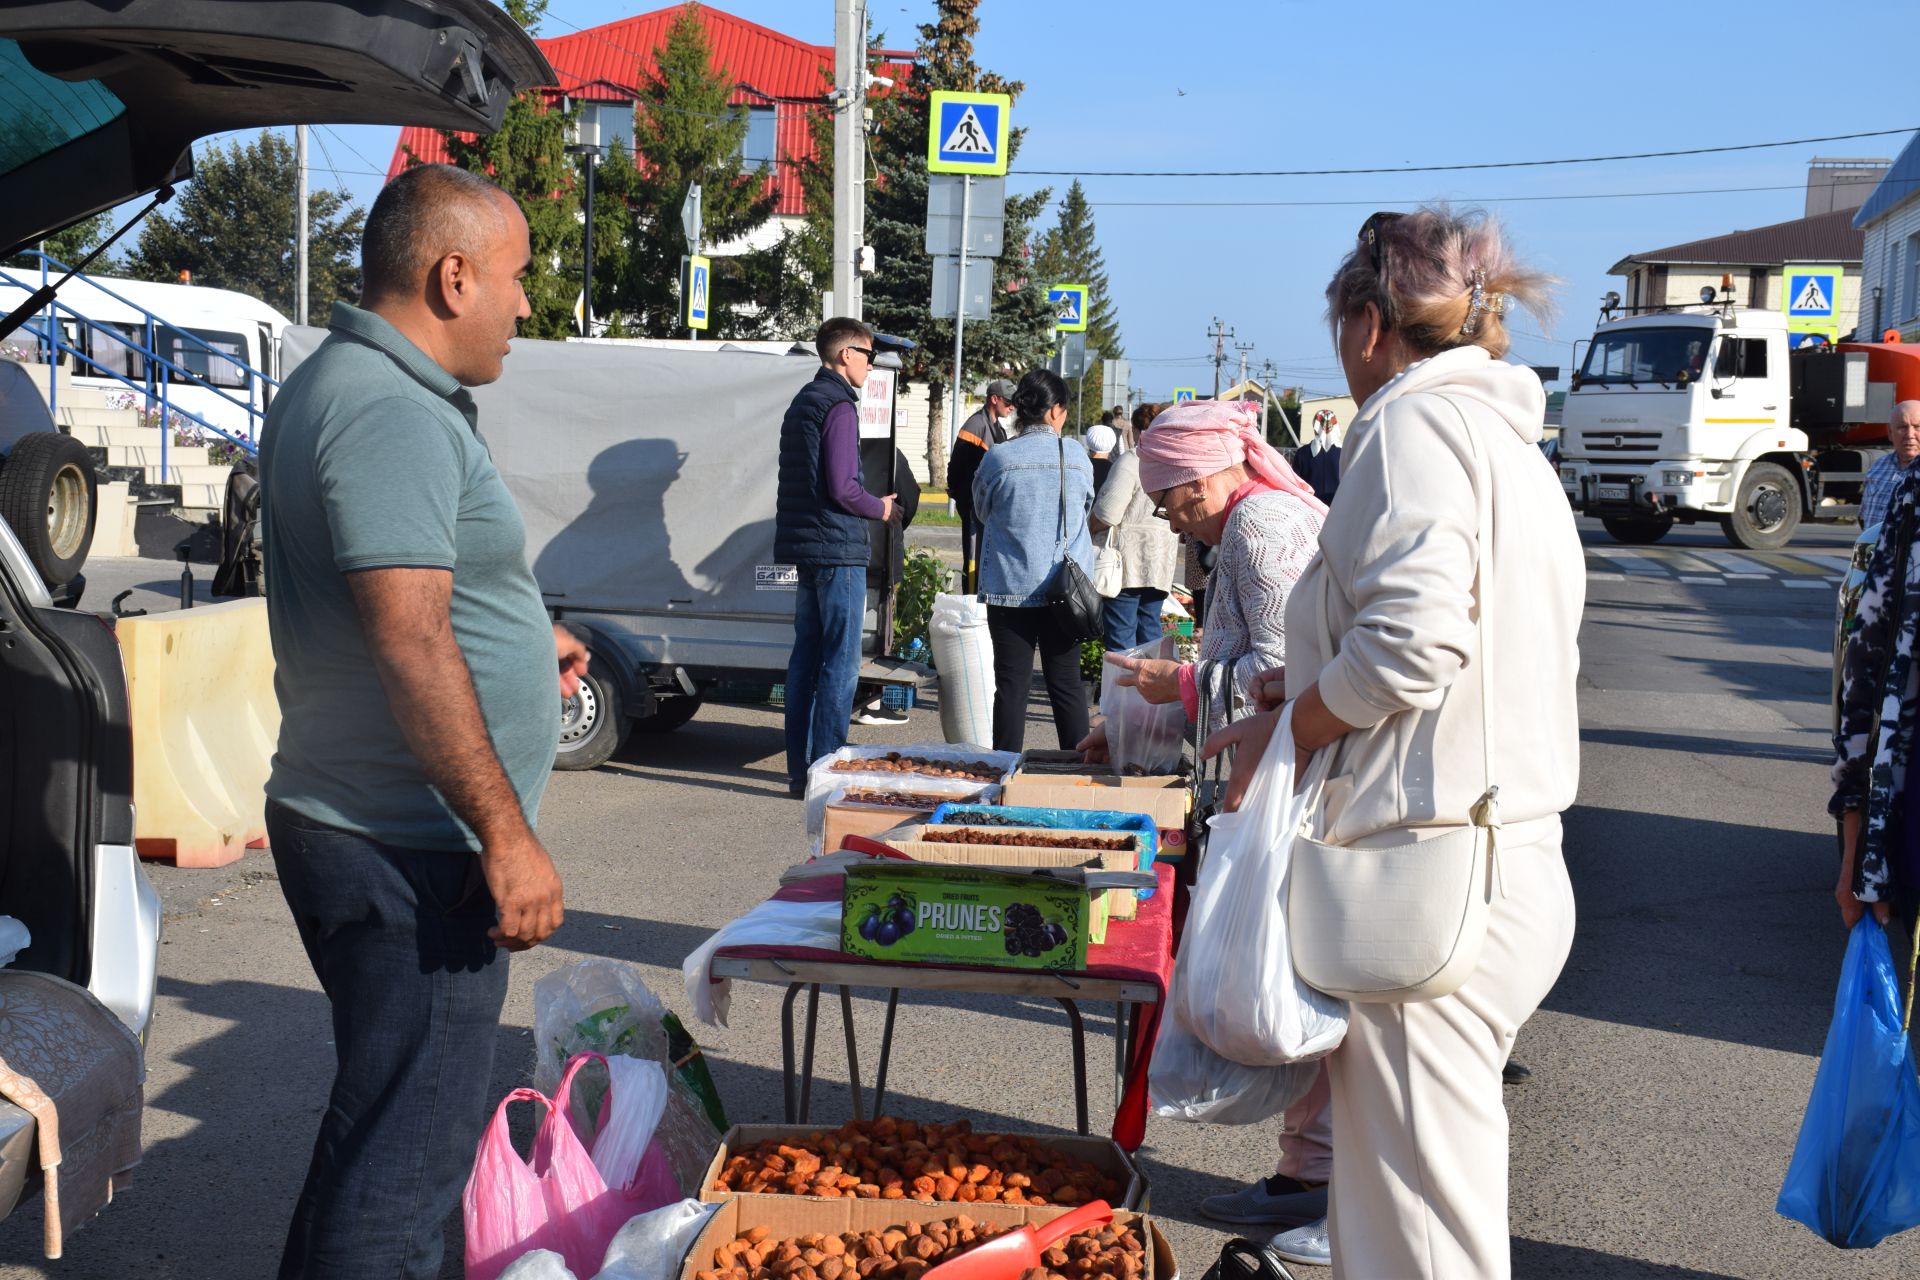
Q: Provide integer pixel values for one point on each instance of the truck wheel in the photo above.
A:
(47, 493)
(592, 725)
(673, 713)
(1767, 513)
(1637, 531)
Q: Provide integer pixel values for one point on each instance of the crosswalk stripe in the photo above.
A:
(1790, 564)
(1685, 562)
(1637, 562)
(1737, 563)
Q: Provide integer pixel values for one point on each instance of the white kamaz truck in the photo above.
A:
(1703, 412)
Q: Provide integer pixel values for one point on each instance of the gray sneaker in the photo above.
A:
(1275, 1202)
(1309, 1244)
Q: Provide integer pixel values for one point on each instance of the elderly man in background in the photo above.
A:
(420, 711)
(991, 424)
(1884, 476)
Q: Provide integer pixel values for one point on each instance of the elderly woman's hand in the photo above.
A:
(1250, 736)
(1157, 679)
(1093, 747)
(1851, 908)
(1269, 689)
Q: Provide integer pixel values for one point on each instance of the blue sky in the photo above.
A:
(1283, 84)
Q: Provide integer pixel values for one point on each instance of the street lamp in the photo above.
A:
(588, 147)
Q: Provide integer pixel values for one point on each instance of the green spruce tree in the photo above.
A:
(899, 294)
(1070, 254)
(528, 158)
(685, 131)
(232, 227)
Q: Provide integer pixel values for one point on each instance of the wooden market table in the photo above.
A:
(1131, 969)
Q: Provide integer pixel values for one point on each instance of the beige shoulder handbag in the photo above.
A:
(1405, 924)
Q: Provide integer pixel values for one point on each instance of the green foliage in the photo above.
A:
(1070, 254)
(528, 158)
(1093, 655)
(926, 577)
(685, 131)
(899, 293)
(73, 244)
(232, 227)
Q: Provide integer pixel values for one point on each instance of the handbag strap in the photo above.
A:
(1061, 548)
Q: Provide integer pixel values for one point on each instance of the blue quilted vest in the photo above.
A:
(809, 527)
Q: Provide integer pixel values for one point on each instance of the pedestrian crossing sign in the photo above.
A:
(1810, 294)
(967, 132)
(1185, 395)
(1068, 303)
(699, 282)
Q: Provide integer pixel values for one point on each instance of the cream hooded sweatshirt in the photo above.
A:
(1384, 618)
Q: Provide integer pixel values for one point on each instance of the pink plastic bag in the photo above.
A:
(556, 1201)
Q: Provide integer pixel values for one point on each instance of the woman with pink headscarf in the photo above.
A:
(1213, 477)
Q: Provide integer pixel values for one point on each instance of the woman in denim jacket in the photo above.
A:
(1017, 501)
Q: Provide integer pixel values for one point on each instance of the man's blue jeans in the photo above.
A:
(1132, 618)
(825, 665)
(398, 939)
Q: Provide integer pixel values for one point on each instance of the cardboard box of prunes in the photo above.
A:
(787, 1217)
(1103, 1154)
(1162, 797)
(933, 913)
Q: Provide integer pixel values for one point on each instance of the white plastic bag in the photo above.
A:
(1141, 735)
(963, 655)
(772, 923)
(541, 1264)
(639, 1100)
(1109, 568)
(1234, 986)
(1188, 1081)
(652, 1246)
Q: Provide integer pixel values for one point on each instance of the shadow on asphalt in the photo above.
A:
(1707, 745)
(1537, 1258)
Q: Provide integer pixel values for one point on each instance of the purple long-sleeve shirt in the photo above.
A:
(843, 463)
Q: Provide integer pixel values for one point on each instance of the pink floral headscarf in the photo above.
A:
(1203, 437)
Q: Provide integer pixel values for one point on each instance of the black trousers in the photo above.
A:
(1016, 633)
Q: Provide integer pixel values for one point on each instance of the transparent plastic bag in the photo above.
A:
(651, 1246)
(1234, 985)
(1188, 1081)
(1855, 1174)
(541, 1264)
(824, 781)
(1141, 736)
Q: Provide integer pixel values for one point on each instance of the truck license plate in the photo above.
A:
(1616, 491)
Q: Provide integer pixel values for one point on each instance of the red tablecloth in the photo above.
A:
(1137, 950)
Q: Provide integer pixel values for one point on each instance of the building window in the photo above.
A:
(607, 123)
(1913, 278)
(759, 146)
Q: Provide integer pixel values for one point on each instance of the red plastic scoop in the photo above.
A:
(1005, 1256)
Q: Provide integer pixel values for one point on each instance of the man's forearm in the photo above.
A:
(430, 691)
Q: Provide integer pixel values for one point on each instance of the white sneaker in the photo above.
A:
(1309, 1244)
(882, 715)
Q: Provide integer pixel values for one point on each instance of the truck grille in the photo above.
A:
(1621, 443)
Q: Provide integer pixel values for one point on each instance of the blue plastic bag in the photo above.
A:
(1145, 834)
(1855, 1175)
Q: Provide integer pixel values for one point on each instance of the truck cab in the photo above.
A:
(1685, 415)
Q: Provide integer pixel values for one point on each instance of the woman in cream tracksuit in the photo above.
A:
(1384, 666)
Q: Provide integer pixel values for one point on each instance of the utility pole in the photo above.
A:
(1219, 333)
(1243, 348)
(300, 224)
(849, 153)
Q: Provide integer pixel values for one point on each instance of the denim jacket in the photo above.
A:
(1016, 504)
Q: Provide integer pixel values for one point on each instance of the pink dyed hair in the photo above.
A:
(1431, 255)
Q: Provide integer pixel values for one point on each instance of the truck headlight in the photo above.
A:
(1568, 478)
(1676, 479)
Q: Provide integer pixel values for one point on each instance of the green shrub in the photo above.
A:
(925, 578)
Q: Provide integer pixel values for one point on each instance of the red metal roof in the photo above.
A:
(608, 61)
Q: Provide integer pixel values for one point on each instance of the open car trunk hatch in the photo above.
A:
(101, 102)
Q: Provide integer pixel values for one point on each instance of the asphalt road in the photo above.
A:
(1672, 1061)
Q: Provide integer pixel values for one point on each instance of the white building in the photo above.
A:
(1889, 222)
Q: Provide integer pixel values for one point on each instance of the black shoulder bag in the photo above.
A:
(1076, 607)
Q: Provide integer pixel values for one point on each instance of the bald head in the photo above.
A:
(428, 212)
(1903, 431)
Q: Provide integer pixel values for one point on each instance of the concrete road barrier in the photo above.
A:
(205, 722)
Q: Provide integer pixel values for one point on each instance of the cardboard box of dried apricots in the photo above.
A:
(880, 1225)
(867, 1151)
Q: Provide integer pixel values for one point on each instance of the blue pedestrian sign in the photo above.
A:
(1185, 395)
(1069, 305)
(1810, 295)
(967, 132)
(699, 280)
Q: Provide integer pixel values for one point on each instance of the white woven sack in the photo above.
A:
(963, 654)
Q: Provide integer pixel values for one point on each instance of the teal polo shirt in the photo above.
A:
(371, 458)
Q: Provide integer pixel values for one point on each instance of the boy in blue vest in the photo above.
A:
(821, 528)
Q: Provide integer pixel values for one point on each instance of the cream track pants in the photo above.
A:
(1419, 1123)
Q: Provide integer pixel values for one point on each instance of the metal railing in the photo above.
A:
(161, 374)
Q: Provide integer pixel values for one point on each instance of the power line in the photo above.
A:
(1380, 201)
(1450, 168)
